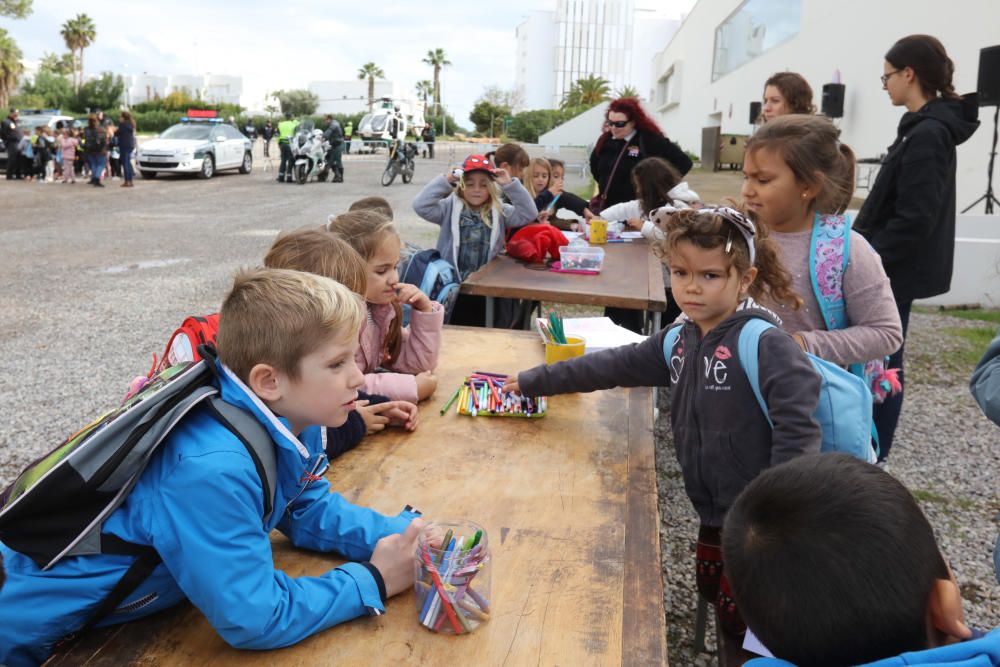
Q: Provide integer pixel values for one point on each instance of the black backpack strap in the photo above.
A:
(258, 442)
(146, 560)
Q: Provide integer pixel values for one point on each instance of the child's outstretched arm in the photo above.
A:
(637, 365)
(432, 203)
(790, 387)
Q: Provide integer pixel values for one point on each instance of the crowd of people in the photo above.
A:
(99, 152)
(824, 559)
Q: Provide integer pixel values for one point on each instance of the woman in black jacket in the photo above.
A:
(126, 145)
(631, 137)
(909, 216)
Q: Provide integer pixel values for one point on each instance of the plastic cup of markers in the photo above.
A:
(574, 347)
(452, 585)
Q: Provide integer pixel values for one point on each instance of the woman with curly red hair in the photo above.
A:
(631, 137)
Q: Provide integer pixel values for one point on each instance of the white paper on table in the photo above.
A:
(599, 333)
(572, 235)
(752, 644)
(631, 235)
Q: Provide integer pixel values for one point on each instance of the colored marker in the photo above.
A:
(451, 400)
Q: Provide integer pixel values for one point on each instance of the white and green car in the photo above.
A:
(195, 148)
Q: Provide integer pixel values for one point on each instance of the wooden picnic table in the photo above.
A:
(632, 277)
(568, 501)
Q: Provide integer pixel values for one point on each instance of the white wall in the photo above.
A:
(582, 130)
(849, 35)
(220, 88)
(977, 263)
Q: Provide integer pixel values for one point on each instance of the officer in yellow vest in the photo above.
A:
(286, 130)
(348, 133)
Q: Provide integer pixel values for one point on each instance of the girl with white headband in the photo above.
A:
(719, 263)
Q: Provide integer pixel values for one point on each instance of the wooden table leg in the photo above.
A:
(490, 306)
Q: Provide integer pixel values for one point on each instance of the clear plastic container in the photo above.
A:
(581, 258)
(459, 567)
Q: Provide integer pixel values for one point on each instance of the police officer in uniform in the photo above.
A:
(267, 132)
(335, 135)
(286, 130)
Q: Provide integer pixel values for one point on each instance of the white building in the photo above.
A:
(214, 88)
(144, 87)
(349, 96)
(606, 38)
(718, 60)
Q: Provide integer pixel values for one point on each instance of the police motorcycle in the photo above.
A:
(309, 150)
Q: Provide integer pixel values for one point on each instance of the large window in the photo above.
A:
(755, 27)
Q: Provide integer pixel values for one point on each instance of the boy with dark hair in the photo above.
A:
(800, 545)
(287, 342)
(377, 204)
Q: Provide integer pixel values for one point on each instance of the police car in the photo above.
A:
(196, 146)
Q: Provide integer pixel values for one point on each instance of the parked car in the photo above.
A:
(202, 148)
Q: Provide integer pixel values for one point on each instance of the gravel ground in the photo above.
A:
(946, 452)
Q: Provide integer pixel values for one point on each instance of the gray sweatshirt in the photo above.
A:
(438, 203)
(721, 437)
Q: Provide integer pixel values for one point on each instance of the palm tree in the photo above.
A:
(78, 33)
(437, 59)
(371, 71)
(587, 92)
(425, 89)
(10, 67)
(627, 91)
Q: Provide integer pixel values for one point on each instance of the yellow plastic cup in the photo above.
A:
(598, 231)
(557, 352)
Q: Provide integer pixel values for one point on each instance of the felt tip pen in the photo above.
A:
(451, 400)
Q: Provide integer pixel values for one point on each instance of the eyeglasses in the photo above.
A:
(885, 77)
(618, 123)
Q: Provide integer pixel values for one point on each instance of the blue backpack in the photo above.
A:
(435, 277)
(829, 256)
(844, 410)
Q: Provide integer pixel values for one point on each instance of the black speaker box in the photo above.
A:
(755, 108)
(833, 100)
(989, 76)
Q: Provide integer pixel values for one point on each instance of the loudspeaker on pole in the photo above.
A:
(833, 100)
(989, 76)
(755, 108)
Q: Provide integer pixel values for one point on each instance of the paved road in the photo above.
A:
(93, 281)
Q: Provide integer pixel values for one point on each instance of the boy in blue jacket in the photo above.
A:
(799, 546)
(287, 342)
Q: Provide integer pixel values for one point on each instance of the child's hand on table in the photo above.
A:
(510, 386)
(634, 223)
(427, 382)
(411, 294)
(393, 556)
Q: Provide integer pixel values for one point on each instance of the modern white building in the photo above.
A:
(606, 38)
(215, 88)
(719, 58)
(349, 96)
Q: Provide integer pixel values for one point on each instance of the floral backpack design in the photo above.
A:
(830, 252)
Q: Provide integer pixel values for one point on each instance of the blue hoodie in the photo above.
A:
(981, 652)
(200, 504)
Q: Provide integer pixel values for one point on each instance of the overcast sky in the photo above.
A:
(275, 45)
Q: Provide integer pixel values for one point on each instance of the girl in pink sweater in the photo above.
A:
(409, 354)
(67, 146)
(800, 178)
